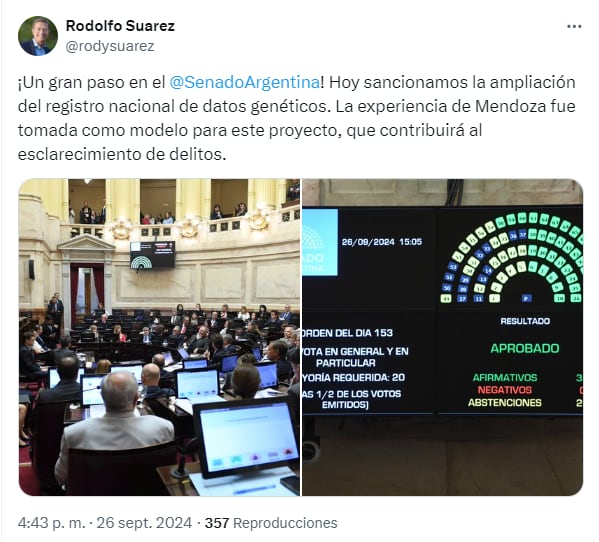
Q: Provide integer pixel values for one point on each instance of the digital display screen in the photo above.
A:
(152, 254)
(454, 310)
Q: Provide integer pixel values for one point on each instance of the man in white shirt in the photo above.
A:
(118, 429)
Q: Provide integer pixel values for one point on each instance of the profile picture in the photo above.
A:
(38, 36)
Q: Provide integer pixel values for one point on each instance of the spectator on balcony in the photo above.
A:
(293, 193)
(94, 218)
(168, 218)
(216, 213)
(241, 209)
(85, 214)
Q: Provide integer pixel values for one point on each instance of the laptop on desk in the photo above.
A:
(245, 447)
(196, 386)
(55, 378)
(228, 363)
(134, 368)
(91, 397)
(200, 363)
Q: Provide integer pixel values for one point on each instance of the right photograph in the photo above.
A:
(442, 337)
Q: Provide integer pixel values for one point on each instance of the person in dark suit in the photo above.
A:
(55, 309)
(67, 389)
(277, 351)
(150, 377)
(40, 339)
(28, 367)
(216, 213)
(102, 216)
(50, 332)
(40, 29)
(286, 315)
(200, 342)
(85, 214)
(175, 339)
(159, 361)
(64, 350)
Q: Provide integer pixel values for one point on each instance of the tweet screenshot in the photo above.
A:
(307, 269)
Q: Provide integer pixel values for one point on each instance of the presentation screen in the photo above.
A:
(453, 310)
(152, 254)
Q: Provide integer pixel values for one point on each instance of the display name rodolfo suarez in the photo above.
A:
(114, 26)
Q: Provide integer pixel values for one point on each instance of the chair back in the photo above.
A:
(119, 472)
(47, 426)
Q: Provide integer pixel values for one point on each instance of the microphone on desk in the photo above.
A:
(181, 471)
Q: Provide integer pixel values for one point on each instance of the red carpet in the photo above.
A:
(27, 479)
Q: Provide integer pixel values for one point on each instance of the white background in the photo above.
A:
(347, 39)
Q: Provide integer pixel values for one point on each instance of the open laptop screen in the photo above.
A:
(134, 369)
(201, 363)
(90, 390)
(55, 379)
(244, 436)
(228, 363)
(168, 358)
(183, 353)
(268, 374)
(197, 383)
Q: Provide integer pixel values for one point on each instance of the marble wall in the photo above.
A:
(238, 266)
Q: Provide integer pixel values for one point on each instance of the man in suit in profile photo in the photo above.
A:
(37, 46)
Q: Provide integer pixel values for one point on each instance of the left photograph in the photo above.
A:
(159, 332)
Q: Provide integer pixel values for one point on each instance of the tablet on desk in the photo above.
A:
(245, 447)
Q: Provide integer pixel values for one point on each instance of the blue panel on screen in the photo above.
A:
(319, 242)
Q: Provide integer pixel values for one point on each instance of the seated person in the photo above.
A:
(158, 360)
(243, 314)
(245, 380)
(200, 342)
(67, 389)
(100, 310)
(273, 323)
(287, 331)
(64, 349)
(118, 429)
(118, 333)
(102, 322)
(28, 367)
(277, 351)
(37, 347)
(103, 367)
(39, 339)
(175, 339)
(145, 335)
(286, 315)
(228, 345)
(185, 326)
(251, 333)
(150, 377)
(244, 358)
(228, 327)
(216, 352)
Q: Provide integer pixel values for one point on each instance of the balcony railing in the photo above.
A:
(267, 221)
